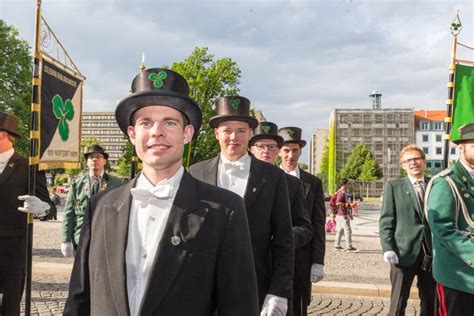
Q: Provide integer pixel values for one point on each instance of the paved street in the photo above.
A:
(354, 284)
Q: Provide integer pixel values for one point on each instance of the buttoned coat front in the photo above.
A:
(268, 212)
(211, 267)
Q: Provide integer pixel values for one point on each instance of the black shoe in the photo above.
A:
(351, 249)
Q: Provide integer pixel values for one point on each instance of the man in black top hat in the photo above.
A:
(80, 192)
(264, 145)
(164, 243)
(310, 258)
(265, 192)
(13, 224)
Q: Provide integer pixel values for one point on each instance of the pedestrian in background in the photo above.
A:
(450, 212)
(56, 199)
(343, 218)
(405, 240)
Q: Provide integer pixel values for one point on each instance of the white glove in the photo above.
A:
(67, 249)
(33, 205)
(390, 257)
(274, 306)
(317, 272)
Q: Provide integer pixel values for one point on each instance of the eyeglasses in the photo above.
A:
(416, 159)
(270, 147)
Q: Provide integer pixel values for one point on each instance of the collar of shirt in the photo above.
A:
(243, 161)
(295, 172)
(5, 156)
(174, 181)
(414, 180)
(101, 175)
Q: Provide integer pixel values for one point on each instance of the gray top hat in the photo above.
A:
(96, 149)
(266, 130)
(233, 108)
(8, 124)
(467, 133)
(292, 135)
(158, 86)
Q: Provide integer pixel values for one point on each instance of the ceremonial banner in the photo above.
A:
(463, 99)
(61, 106)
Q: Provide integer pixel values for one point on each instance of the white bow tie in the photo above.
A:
(234, 165)
(144, 196)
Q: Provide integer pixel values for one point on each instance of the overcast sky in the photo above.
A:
(299, 59)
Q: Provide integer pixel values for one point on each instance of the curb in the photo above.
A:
(357, 289)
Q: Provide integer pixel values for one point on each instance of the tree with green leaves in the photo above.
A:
(85, 143)
(124, 163)
(208, 79)
(370, 172)
(15, 81)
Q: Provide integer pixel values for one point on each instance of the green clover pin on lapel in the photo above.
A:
(291, 132)
(64, 111)
(234, 103)
(266, 128)
(158, 79)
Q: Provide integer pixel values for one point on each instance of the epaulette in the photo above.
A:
(445, 172)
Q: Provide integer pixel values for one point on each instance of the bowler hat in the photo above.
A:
(266, 130)
(8, 124)
(466, 133)
(233, 108)
(158, 86)
(96, 149)
(292, 135)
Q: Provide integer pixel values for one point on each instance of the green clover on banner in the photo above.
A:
(234, 103)
(64, 111)
(266, 128)
(291, 132)
(158, 79)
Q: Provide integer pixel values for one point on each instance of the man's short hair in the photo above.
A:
(411, 147)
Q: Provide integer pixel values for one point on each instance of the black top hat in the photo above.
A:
(467, 133)
(266, 130)
(8, 124)
(158, 86)
(96, 149)
(292, 135)
(233, 108)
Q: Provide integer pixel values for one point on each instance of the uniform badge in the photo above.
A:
(11, 165)
(466, 195)
(175, 240)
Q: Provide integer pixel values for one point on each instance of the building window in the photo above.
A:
(439, 150)
(437, 164)
(428, 164)
(424, 125)
(438, 126)
(438, 138)
(453, 151)
(426, 150)
(425, 137)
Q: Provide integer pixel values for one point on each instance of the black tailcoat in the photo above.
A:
(212, 266)
(268, 212)
(13, 227)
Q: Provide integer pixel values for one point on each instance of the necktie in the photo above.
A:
(145, 196)
(420, 189)
(234, 165)
(95, 187)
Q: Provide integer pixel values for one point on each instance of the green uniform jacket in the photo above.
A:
(453, 252)
(76, 205)
(401, 225)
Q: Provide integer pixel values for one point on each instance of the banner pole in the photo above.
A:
(34, 153)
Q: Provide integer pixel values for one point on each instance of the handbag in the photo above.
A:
(330, 225)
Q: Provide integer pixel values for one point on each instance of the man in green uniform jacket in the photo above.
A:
(82, 189)
(450, 212)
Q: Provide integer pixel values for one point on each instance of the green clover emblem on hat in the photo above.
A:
(291, 132)
(64, 112)
(158, 78)
(234, 103)
(266, 128)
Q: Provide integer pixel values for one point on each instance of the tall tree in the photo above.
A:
(15, 81)
(355, 161)
(370, 172)
(85, 143)
(208, 79)
(124, 163)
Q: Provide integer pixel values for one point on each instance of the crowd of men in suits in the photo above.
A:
(236, 234)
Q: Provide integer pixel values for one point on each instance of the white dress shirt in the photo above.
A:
(234, 175)
(5, 158)
(146, 226)
(295, 172)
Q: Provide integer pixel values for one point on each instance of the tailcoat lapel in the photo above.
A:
(412, 196)
(255, 183)
(210, 173)
(183, 224)
(10, 167)
(115, 222)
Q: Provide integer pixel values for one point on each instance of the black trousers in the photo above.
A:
(453, 302)
(402, 279)
(11, 288)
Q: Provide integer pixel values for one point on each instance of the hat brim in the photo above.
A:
(216, 120)
(106, 155)
(276, 138)
(128, 106)
(9, 131)
(302, 143)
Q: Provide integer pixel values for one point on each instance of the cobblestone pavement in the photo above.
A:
(51, 273)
